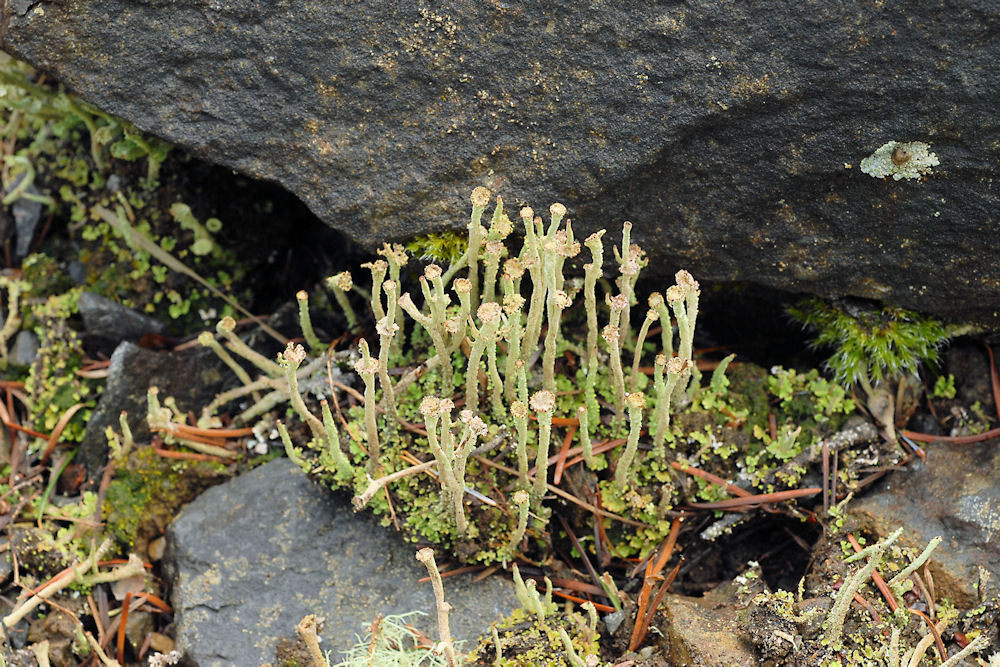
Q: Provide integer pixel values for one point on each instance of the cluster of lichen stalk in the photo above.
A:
(500, 315)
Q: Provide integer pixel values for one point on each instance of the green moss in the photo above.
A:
(869, 344)
(148, 490)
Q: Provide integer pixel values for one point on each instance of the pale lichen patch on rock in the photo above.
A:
(911, 159)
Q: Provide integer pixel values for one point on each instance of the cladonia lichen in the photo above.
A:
(910, 159)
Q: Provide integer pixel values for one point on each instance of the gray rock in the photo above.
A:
(249, 558)
(27, 212)
(732, 137)
(953, 495)
(25, 348)
(111, 320)
(193, 376)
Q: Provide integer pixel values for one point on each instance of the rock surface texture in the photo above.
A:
(248, 559)
(730, 135)
(953, 495)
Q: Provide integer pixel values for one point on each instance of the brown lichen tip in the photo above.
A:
(610, 334)
(432, 271)
(366, 366)
(527, 213)
(494, 248)
(481, 197)
(595, 238)
(543, 401)
(513, 268)
(686, 280)
(512, 303)
(302, 295)
(425, 555)
(489, 312)
(226, 324)
(652, 315)
(655, 300)
(557, 210)
(294, 354)
(676, 365)
(675, 293)
(382, 327)
(519, 410)
(661, 360)
(341, 281)
(389, 286)
(461, 285)
(635, 401)
(520, 497)
(394, 252)
(619, 302)
(430, 405)
(561, 299)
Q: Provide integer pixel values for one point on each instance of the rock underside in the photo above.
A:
(731, 137)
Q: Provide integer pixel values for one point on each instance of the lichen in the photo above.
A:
(909, 160)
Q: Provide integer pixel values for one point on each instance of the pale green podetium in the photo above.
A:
(543, 403)
(367, 368)
(634, 403)
(340, 285)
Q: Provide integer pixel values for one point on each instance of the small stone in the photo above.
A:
(156, 548)
(25, 348)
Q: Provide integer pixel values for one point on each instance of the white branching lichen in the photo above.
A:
(911, 159)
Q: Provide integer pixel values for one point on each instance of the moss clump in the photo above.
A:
(871, 345)
(147, 491)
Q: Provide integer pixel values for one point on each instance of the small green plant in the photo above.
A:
(873, 348)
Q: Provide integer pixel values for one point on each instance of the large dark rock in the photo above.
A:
(731, 134)
(249, 558)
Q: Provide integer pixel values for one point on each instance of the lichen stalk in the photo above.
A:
(558, 301)
(634, 403)
(305, 322)
(657, 303)
(583, 417)
(651, 316)
(395, 255)
(290, 361)
(437, 338)
(521, 499)
(591, 272)
(340, 285)
(628, 267)
(378, 270)
(531, 259)
(683, 300)
(206, 339)
(543, 403)
(483, 337)
(367, 368)
(308, 629)
(834, 624)
(344, 467)
(387, 330)
(519, 411)
(611, 335)
(226, 328)
(513, 305)
(677, 369)
(426, 556)
(480, 200)
(437, 411)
